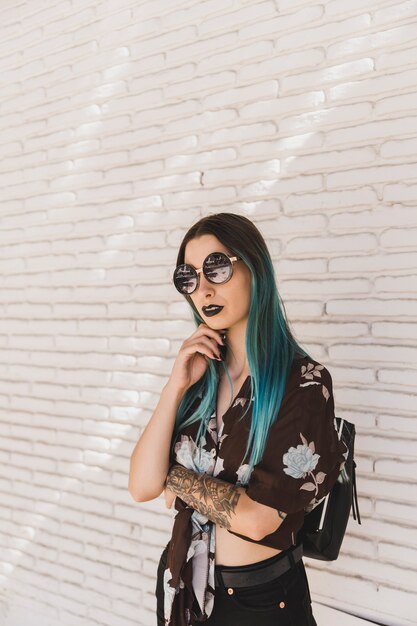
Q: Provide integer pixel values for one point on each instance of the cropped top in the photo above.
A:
(302, 461)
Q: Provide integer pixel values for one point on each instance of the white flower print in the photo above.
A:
(312, 504)
(219, 467)
(212, 427)
(301, 461)
(199, 552)
(202, 550)
(188, 454)
(241, 401)
(211, 577)
(169, 593)
(222, 438)
(199, 519)
(310, 370)
(243, 474)
(325, 392)
(345, 454)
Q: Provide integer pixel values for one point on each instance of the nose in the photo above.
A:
(205, 285)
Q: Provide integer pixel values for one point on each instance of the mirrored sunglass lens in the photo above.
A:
(185, 279)
(217, 268)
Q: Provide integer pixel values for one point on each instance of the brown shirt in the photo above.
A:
(302, 461)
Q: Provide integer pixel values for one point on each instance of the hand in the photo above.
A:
(169, 497)
(194, 356)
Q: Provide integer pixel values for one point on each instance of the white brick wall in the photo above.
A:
(123, 122)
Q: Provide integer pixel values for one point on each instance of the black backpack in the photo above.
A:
(324, 527)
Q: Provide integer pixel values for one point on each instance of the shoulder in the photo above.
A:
(308, 375)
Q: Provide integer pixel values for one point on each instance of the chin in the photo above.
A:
(216, 324)
(211, 322)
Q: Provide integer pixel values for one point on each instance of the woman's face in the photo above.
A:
(234, 296)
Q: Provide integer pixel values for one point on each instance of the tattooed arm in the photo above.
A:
(223, 503)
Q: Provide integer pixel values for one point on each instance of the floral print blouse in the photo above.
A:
(302, 461)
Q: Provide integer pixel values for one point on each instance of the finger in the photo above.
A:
(205, 331)
(212, 333)
(204, 348)
(210, 343)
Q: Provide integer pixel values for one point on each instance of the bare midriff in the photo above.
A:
(230, 549)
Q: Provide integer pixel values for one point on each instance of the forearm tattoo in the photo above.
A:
(214, 498)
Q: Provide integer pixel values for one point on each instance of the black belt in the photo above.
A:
(255, 574)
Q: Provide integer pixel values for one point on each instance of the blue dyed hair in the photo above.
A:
(270, 353)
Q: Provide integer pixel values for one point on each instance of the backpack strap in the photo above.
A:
(354, 494)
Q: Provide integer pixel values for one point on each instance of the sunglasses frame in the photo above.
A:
(232, 260)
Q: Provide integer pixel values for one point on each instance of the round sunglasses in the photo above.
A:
(217, 268)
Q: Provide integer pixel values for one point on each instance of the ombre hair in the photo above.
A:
(270, 345)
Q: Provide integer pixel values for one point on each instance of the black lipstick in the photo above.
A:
(212, 309)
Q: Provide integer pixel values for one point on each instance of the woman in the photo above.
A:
(243, 468)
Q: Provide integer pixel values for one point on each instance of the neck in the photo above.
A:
(236, 359)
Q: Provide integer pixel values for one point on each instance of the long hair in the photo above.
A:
(270, 345)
